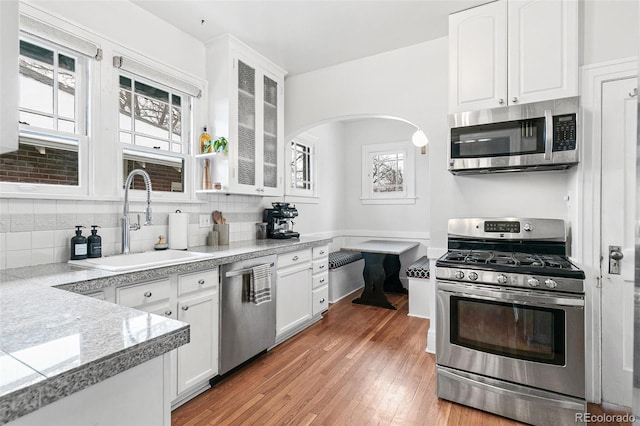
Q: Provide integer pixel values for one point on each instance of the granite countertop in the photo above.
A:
(54, 343)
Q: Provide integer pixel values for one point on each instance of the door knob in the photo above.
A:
(615, 256)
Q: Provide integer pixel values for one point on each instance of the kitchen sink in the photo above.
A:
(144, 260)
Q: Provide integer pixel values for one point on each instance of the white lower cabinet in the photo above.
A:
(192, 298)
(293, 298)
(198, 360)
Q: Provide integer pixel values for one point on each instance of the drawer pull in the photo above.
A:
(322, 280)
(322, 266)
(185, 308)
(147, 294)
(200, 282)
(168, 313)
(295, 258)
(322, 300)
(321, 251)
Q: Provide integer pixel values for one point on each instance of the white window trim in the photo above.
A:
(409, 195)
(30, 134)
(296, 194)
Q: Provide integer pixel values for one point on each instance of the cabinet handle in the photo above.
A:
(500, 101)
(147, 294)
(514, 100)
(322, 280)
(168, 313)
(200, 282)
(185, 308)
(295, 258)
(322, 300)
(321, 251)
(322, 266)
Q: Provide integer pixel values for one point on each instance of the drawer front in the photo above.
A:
(198, 281)
(321, 265)
(294, 258)
(140, 295)
(320, 279)
(320, 300)
(321, 251)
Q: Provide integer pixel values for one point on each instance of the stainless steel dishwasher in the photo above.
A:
(246, 329)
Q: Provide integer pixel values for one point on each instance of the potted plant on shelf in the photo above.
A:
(221, 145)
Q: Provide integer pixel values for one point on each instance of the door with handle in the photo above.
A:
(617, 241)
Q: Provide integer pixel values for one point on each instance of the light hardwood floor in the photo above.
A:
(360, 365)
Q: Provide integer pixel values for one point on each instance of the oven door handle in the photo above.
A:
(510, 296)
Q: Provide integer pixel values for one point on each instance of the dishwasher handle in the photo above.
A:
(243, 271)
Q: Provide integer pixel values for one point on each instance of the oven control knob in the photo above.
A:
(550, 283)
(502, 279)
(527, 227)
(473, 276)
(533, 282)
(459, 275)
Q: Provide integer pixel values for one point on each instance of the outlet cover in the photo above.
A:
(205, 220)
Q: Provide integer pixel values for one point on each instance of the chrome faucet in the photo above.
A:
(124, 221)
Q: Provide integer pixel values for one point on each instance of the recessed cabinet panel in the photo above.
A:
(477, 49)
(543, 50)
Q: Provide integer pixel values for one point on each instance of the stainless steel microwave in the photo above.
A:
(537, 136)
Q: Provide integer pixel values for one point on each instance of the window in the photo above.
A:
(152, 120)
(52, 111)
(388, 173)
(301, 175)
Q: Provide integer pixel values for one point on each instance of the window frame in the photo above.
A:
(185, 155)
(407, 196)
(302, 195)
(43, 138)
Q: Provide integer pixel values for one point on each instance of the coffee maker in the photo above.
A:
(279, 221)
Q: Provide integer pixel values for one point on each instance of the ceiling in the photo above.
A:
(307, 35)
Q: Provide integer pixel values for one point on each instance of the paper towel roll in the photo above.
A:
(178, 230)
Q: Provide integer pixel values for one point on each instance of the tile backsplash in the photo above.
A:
(34, 232)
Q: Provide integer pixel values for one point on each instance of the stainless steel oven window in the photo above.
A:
(507, 329)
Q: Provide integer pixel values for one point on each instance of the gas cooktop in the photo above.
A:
(513, 262)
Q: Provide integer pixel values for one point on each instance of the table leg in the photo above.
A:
(392, 283)
(374, 277)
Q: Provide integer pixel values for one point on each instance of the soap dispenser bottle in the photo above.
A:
(94, 243)
(78, 245)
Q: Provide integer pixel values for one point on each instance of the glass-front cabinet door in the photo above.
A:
(258, 132)
(270, 133)
(246, 124)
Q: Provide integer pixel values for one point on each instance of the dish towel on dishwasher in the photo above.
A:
(260, 286)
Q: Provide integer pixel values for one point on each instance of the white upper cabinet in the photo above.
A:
(511, 52)
(478, 57)
(246, 93)
(9, 50)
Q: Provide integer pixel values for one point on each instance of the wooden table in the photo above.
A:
(381, 270)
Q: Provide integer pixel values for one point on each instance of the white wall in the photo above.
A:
(324, 215)
(372, 219)
(128, 25)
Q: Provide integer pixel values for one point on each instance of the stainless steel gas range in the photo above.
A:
(510, 320)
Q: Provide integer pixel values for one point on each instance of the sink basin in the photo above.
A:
(137, 261)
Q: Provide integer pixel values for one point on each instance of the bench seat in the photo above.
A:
(345, 274)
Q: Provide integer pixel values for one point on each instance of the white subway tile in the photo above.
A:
(42, 256)
(21, 207)
(18, 258)
(18, 241)
(66, 206)
(3, 260)
(43, 239)
(3, 242)
(61, 254)
(62, 238)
